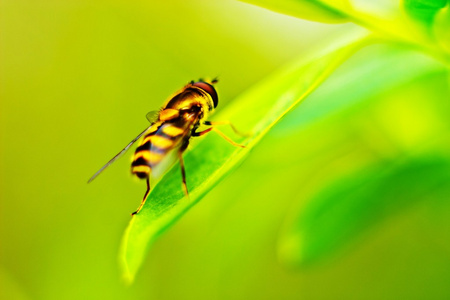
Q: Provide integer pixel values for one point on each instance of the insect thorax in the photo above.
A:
(190, 99)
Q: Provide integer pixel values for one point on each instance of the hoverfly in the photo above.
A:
(171, 129)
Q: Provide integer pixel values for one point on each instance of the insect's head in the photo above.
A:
(208, 87)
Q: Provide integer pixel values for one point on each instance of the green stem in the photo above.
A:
(415, 38)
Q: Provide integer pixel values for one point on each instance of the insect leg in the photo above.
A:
(183, 171)
(227, 138)
(145, 197)
(220, 133)
(227, 123)
(202, 132)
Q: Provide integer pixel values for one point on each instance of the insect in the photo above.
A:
(171, 129)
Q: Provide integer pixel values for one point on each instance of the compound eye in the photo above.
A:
(209, 89)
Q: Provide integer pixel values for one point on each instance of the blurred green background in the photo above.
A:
(78, 77)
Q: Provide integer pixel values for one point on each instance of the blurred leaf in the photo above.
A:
(349, 207)
(423, 10)
(441, 28)
(373, 70)
(303, 9)
(256, 111)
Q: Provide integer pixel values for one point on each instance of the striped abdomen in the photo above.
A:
(155, 146)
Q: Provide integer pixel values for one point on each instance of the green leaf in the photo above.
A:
(304, 9)
(423, 10)
(256, 111)
(348, 208)
(372, 71)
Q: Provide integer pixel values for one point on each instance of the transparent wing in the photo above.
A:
(119, 154)
(152, 116)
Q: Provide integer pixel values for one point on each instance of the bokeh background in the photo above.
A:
(76, 81)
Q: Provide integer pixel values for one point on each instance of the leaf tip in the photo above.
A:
(127, 274)
(127, 278)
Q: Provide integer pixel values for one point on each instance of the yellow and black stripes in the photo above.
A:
(170, 129)
(154, 147)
